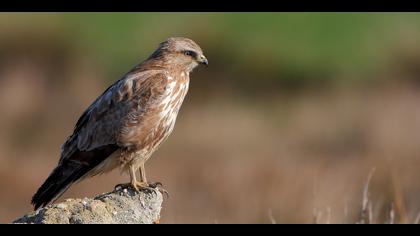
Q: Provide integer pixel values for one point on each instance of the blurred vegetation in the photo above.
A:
(271, 46)
(284, 48)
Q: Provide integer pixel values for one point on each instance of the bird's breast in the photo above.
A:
(171, 105)
(158, 122)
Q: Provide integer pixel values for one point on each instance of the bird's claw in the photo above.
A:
(149, 188)
(158, 186)
(164, 192)
(136, 186)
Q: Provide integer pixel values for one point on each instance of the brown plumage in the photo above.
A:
(128, 122)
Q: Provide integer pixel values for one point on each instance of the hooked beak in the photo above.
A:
(203, 60)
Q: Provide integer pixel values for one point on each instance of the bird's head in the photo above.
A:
(181, 52)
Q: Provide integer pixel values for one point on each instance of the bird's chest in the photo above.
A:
(158, 122)
(169, 108)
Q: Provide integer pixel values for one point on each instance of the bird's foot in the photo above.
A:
(137, 186)
(158, 186)
(143, 186)
(155, 184)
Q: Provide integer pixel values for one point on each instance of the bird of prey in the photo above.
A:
(128, 122)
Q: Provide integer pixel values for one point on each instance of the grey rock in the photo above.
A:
(121, 206)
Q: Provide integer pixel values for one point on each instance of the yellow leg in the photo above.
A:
(142, 171)
(133, 181)
(157, 185)
(143, 184)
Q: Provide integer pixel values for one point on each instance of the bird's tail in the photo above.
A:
(73, 169)
(62, 177)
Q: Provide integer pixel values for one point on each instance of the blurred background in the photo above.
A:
(285, 125)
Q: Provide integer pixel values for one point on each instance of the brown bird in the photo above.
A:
(128, 122)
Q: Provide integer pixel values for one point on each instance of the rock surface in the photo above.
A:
(122, 206)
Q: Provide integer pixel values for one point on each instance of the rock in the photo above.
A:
(121, 206)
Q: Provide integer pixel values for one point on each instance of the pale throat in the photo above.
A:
(190, 67)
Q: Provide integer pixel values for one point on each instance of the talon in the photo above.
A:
(141, 186)
(148, 189)
(136, 188)
(156, 185)
(164, 192)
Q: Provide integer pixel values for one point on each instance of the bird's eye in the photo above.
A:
(189, 53)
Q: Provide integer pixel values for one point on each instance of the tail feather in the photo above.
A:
(57, 183)
(69, 172)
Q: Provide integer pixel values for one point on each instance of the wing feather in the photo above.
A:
(106, 118)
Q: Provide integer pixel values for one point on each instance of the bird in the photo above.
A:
(128, 122)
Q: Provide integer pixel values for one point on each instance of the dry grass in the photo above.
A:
(367, 215)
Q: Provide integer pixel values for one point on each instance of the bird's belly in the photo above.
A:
(149, 144)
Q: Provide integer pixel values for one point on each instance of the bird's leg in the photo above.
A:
(142, 185)
(154, 185)
(143, 178)
(142, 171)
(133, 181)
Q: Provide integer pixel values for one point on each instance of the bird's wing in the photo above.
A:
(102, 123)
